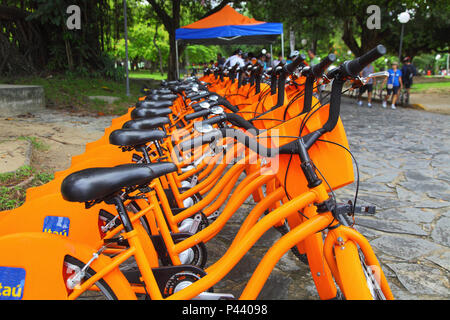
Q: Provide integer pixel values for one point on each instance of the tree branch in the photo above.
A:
(219, 7)
(12, 13)
(162, 14)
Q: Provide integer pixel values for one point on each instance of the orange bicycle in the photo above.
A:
(72, 268)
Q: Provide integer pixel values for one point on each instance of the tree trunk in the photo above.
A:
(159, 50)
(172, 65)
(291, 39)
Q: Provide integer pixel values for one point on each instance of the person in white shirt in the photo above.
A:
(277, 61)
(236, 58)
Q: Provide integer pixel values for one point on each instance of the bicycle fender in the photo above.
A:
(31, 264)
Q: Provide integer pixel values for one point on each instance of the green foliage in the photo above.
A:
(140, 43)
(200, 54)
(21, 173)
(35, 142)
(13, 185)
(72, 93)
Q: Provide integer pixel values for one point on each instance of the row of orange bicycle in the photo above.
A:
(132, 216)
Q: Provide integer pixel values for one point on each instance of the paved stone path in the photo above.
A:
(404, 163)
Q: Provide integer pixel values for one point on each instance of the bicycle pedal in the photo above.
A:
(369, 210)
(347, 208)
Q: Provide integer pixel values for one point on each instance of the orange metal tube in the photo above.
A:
(233, 204)
(251, 220)
(270, 259)
(229, 260)
(372, 260)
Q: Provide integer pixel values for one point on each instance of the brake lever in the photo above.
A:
(381, 74)
(361, 81)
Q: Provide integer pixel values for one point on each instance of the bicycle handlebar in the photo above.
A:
(234, 119)
(341, 74)
(318, 69)
(197, 114)
(290, 68)
(224, 102)
(353, 67)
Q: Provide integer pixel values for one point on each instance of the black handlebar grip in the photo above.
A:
(224, 102)
(240, 122)
(249, 142)
(200, 96)
(290, 68)
(198, 114)
(318, 69)
(335, 105)
(354, 67)
(214, 120)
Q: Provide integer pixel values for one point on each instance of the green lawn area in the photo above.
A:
(431, 86)
(71, 93)
(144, 74)
(147, 75)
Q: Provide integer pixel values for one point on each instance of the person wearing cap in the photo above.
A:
(394, 84)
(408, 72)
(235, 58)
(294, 54)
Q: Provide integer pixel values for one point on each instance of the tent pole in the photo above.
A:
(271, 54)
(282, 45)
(176, 55)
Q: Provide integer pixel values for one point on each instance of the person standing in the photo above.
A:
(263, 60)
(277, 61)
(294, 54)
(312, 57)
(394, 84)
(220, 60)
(408, 72)
(368, 86)
(235, 58)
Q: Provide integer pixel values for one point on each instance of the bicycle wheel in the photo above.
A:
(371, 280)
(104, 290)
(352, 273)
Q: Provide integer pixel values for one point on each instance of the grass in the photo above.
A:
(431, 87)
(72, 93)
(148, 75)
(35, 142)
(143, 74)
(13, 185)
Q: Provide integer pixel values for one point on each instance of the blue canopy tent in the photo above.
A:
(226, 27)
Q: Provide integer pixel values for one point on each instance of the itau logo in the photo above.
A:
(74, 20)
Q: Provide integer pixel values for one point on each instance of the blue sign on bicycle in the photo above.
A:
(12, 283)
(57, 225)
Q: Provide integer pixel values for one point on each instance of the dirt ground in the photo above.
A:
(438, 102)
(56, 137)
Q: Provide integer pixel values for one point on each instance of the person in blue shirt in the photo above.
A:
(394, 85)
